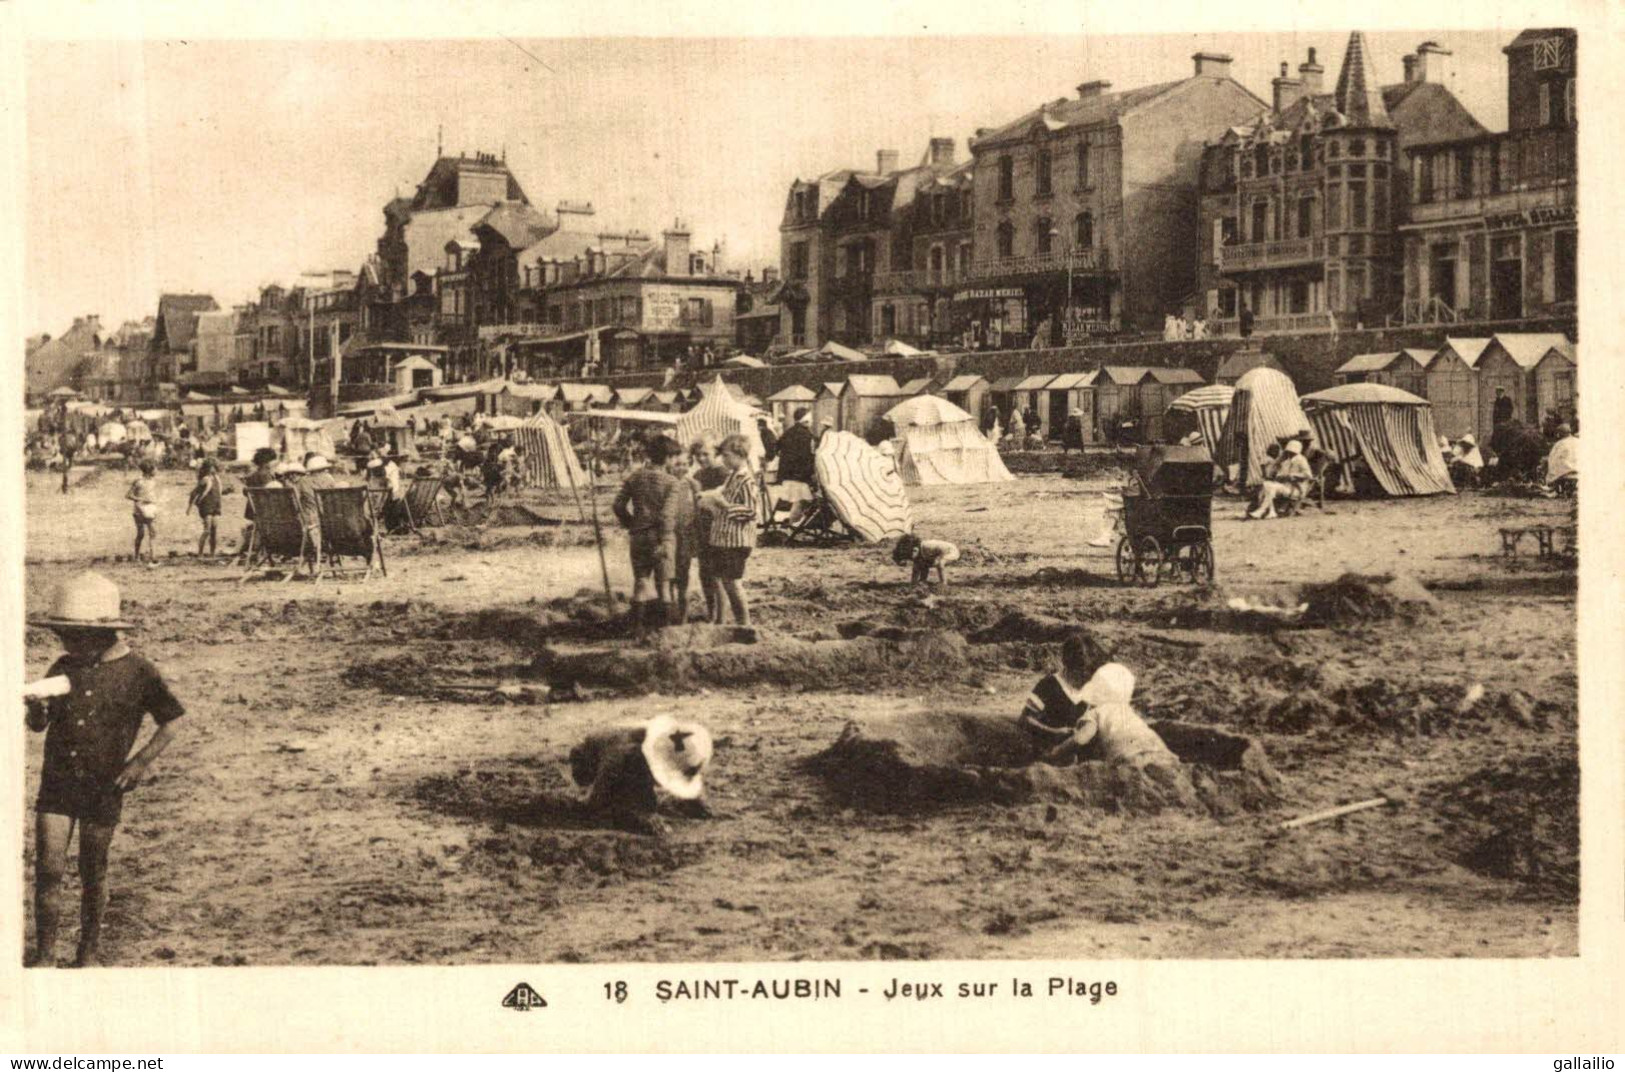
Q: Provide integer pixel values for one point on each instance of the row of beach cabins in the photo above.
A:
(1459, 379)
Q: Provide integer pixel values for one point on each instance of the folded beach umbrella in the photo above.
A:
(863, 487)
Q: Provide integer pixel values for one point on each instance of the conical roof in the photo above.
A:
(1359, 97)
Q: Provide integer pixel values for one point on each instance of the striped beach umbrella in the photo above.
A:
(863, 487)
(1210, 405)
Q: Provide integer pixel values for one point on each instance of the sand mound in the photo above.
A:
(1356, 598)
(926, 760)
(1518, 819)
(1025, 628)
(683, 658)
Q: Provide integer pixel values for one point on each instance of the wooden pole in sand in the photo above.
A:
(597, 532)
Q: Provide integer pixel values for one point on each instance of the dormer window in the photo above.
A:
(863, 204)
(939, 208)
(1548, 53)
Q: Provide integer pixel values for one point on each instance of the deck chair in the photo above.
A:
(349, 530)
(423, 503)
(818, 526)
(278, 538)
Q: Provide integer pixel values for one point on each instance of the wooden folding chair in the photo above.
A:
(423, 502)
(278, 539)
(350, 529)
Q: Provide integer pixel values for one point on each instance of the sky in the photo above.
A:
(219, 166)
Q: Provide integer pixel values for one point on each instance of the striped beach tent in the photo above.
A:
(1263, 410)
(550, 461)
(863, 487)
(1391, 429)
(717, 415)
(1210, 406)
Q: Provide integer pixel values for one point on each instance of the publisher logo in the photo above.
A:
(523, 998)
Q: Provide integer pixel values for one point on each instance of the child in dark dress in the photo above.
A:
(90, 757)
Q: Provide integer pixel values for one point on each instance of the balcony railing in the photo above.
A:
(917, 280)
(1277, 254)
(1077, 260)
(1286, 324)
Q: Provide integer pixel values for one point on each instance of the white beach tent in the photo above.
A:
(938, 443)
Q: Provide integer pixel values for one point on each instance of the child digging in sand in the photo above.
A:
(89, 734)
(1083, 711)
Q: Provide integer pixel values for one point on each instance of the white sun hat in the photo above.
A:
(86, 601)
(677, 754)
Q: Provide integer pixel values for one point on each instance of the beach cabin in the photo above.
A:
(1240, 362)
(1404, 369)
(1117, 396)
(1029, 392)
(969, 393)
(783, 404)
(1158, 387)
(865, 401)
(1066, 392)
(1556, 383)
(666, 400)
(1002, 391)
(632, 397)
(1509, 361)
(579, 397)
(920, 385)
(827, 406)
(1452, 388)
(392, 432)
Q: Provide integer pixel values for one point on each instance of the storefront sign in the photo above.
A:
(981, 295)
(1535, 217)
(662, 308)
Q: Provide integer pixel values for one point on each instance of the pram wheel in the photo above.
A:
(1125, 560)
(1201, 562)
(1148, 561)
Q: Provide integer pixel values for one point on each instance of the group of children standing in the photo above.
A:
(679, 507)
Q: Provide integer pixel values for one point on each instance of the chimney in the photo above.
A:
(1287, 89)
(1410, 68)
(886, 161)
(942, 150)
(1094, 89)
(1423, 51)
(1212, 64)
(1309, 73)
(770, 275)
(677, 249)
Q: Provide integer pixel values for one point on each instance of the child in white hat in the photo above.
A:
(626, 767)
(90, 757)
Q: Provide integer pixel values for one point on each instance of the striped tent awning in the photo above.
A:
(718, 415)
(863, 487)
(1396, 440)
(550, 461)
(1210, 405)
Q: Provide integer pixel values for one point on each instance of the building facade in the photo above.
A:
(1086, 209)
(1493, 230)
(1301, 206)
(172, 352)
(627, 310)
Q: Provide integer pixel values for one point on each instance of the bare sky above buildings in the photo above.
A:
(218, 166)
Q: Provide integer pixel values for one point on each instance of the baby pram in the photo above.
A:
(1168, 518)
